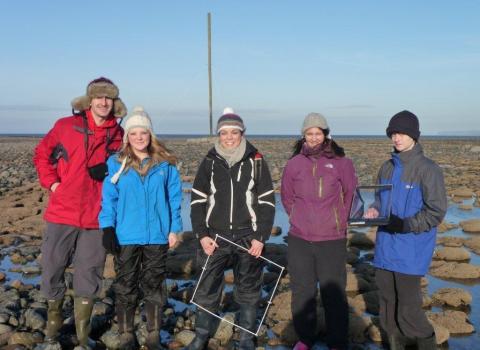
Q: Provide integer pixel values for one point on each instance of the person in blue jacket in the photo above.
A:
(140, 218)
(404, 247)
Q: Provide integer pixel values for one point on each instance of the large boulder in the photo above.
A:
(455, 297)
(474, 244)
(445, 226)
(362, 240)
(462, 192)
(280, 309)
(455, 321)
(356, 283)
(365, 302)
(455, 270)
(441, 333)
(471, 226)
(450, 241)
(451, 254)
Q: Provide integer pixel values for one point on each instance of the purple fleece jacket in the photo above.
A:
(317, 194)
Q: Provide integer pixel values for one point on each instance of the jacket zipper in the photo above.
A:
(336, 219)
(239, 172)
(144, 180)
(231, 201)
(320, 187)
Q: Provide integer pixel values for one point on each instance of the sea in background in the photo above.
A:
(274, 136)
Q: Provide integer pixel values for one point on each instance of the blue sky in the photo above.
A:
(357, 62)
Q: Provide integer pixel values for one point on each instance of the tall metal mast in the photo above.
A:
(210, 71)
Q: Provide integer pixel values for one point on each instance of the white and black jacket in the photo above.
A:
(236, 199)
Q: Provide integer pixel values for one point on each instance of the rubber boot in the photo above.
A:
(247, 320)
(54, 319)
(154, 324)
(429, 343)
(397, 341)
(125, 320)
(83, 311)
(203, 327)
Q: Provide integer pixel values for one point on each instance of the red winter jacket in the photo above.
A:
(61, 156)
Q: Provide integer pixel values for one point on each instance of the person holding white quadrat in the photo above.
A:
(232, 196)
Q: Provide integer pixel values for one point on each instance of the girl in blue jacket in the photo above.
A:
(140, 218)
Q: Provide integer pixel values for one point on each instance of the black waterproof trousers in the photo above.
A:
(247, 272)
(401, 305)
(141, 273)
(323, 263)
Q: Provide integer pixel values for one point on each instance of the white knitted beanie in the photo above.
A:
(138, 119)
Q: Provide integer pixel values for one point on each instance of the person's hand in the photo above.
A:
(54, 186)
(208, 245)
(110, 240)
(396, 225)
(371, 213)
(172, 240)
(256, 248)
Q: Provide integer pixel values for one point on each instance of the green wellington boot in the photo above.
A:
(83, 311)
(54, 319)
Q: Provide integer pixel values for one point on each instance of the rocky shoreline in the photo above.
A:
(23, 308)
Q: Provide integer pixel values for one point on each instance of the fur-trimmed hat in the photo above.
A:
(101, 87)
(138, 119)
(230, 120)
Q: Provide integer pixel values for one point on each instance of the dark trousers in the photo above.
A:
(310, 263)
(247, 273)
(141, 272)
(63, 245)
(401, 305)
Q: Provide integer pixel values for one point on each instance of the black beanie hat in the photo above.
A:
(404, 122)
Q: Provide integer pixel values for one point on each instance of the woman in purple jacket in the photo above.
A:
(317, 189)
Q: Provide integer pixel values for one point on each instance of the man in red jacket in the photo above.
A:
(70, 162)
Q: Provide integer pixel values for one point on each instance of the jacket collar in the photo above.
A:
(408, 156)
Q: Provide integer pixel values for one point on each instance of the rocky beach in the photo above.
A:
(451, 289)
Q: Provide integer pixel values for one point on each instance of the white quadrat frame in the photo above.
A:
(223, 318)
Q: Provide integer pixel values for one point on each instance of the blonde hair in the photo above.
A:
(156, 151)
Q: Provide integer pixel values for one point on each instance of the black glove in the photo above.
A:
(110, 240)
(396, 225)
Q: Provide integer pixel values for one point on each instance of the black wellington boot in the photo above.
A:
(247, 320)
(154, 324)
(203, 328)
(429, 343)
(125, 319)
(397, 341)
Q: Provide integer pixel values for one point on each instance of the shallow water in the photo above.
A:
(454, 215)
